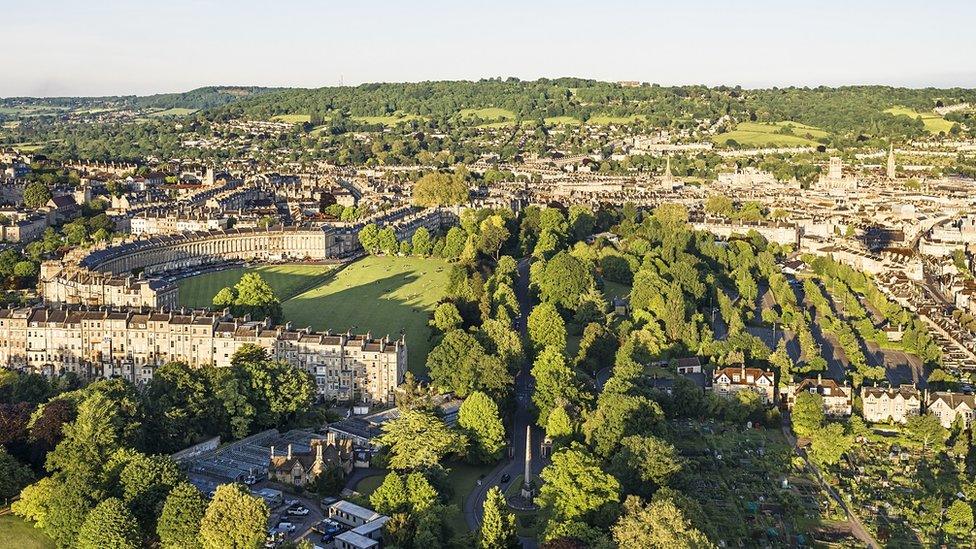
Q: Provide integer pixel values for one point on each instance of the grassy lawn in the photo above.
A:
(605, 120)
(933, 122)
(368, 485)
(379, 294)
(488, 113)
(286, 280)
(175, 111)
(562, 121)
(761, 134)
(14, 532)
(292, 118)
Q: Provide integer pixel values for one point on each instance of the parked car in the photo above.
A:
(298, 511)
(250, 480)
(285, 526)
(506, 477)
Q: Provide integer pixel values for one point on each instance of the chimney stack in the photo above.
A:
(289, 451)
(272, 452)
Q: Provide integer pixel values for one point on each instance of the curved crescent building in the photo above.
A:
(121, 274)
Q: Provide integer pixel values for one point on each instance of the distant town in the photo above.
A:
(556, 313)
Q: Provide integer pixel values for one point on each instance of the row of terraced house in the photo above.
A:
(131, 343)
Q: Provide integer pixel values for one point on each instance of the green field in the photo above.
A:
(761, 134)
(606, 120)
(15, 533)
(562, 121)
(287, 281)
(175, 111)
(379, 294)
(488, 113)
(933, 122)
(292, 118)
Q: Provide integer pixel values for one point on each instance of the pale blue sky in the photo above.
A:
(67, 47)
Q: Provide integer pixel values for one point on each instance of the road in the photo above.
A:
(857, 527)
(522, 417)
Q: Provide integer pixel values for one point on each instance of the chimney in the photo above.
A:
(289, 451)
(272, 452)
(819, 379)
(318, 452)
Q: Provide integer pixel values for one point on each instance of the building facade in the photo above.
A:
(883, 404)
(948, 407)
(730, 381)
(131, 343)
(837, 398)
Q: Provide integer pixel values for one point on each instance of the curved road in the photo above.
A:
(522, 417)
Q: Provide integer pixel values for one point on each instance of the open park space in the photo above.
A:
(933, 122)
(760, 134)
(382, 295)
(286, 280)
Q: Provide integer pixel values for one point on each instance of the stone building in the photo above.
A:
(302, 468)
(837, 398)
(131, 343)
(950, 406)
(882, 404)
(730, 381)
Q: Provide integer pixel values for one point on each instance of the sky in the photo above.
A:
(66, 47)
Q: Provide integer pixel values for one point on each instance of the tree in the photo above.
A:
(575, 485)
(447, 317)
(480, 420)
(459, 364)
(26, 270)
(36, 195)
(419, 440)
(546, 327)
(440, 189)
(564, 280)
(179, 523)
(829, 443)
(234, 520)
(256, 298)
(13, 475)
(454, 243)
(387, 240)
(618, 415)
(390, 497)
(555, 383)
(559, 425)
(146, 482)
(658, 525)
(369, 238)
(959, 519)
(926, 431)
(645, 459)
(492, 235)
(422, 244)
(780, 359)
(225, 297)
(498, 529)
(807, 414)
(110, 524)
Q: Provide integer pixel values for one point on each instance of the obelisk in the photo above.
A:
(527, 476)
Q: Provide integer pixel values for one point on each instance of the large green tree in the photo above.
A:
(658, 525)
(419, 440)
(234, 520)
(546, 327)
(498, 529)
(179, 521)
(576, 486)
(564, 280)
(556, 383)
(481, 421)
(110, 524)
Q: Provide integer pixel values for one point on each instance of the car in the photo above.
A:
(291, 502)
(298, 511)
(506, 477)
(250, 480)
(285, 526)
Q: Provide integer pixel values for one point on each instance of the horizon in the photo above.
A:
(76, 51)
